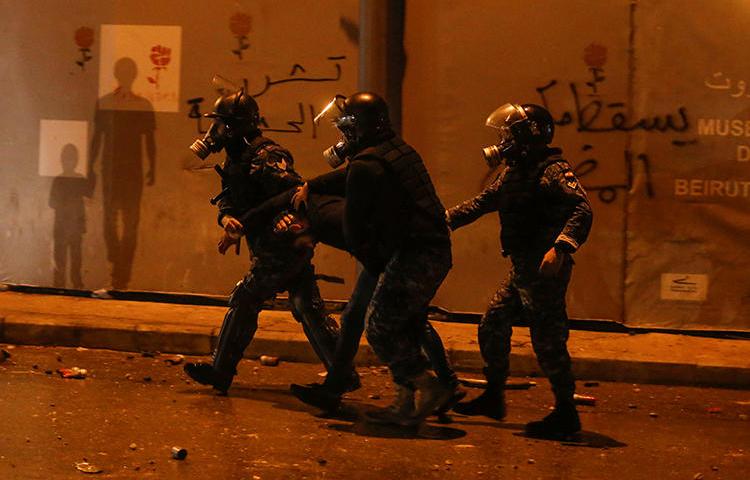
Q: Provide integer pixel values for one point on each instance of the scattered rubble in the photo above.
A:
(176, 360)
(86, 467)
(179, 453)
(269, 360)
(592, 383)
(584, 399)
(75, 372)
(4, 355)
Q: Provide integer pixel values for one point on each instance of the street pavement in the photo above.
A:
(130, 410)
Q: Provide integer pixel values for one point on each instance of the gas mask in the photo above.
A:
(234, 116)
(503, 120)
(336, 155)
(214, 141)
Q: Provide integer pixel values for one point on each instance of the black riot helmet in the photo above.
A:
(362, 119)
(236, 117)
(521, 128)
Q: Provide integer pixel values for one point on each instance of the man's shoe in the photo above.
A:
(354, 383)
(561, 423)
(433, 394)
(491, 403)
(317, 395)
(205, 374)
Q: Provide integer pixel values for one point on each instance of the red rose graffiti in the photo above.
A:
(595, 56)
(84, 38)
(160, 57)
(240, 24)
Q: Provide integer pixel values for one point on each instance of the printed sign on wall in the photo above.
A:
(63, 148)
(684, 286)
(139, 67)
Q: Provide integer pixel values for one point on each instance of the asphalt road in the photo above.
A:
(129, 412)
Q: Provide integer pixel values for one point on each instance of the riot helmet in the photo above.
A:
(362, 119)
(235, 118)
(521, 128)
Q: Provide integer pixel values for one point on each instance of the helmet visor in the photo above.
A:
(333, 111)
(506, 116)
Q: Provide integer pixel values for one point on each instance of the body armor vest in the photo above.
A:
(523, 210)
(407, 166)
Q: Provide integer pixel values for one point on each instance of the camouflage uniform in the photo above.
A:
(262, 170)
(541, 204)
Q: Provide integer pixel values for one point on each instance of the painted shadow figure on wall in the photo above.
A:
(124, 124)
(66, 199)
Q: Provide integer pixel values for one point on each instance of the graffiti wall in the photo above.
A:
(650, 102)
(98, 187)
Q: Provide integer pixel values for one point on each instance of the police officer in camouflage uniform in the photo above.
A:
(256, 168)
(394, 224)
(545, 217)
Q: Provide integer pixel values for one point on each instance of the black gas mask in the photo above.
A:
(521, 129)
(234, 117)
(361, 118)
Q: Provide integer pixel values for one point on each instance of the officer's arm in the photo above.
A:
(226, 207)
(266, 211)
(362, 184)
(470, 210)
(566, 192)
(331, 183)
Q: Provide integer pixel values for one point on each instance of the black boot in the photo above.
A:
(491, 403)
(561, 423)
(205, 374)
(318, 395)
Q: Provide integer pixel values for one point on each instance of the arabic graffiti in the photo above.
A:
(240, 25)
(593, 113)
(306, 112)
(294, 78)
(84, 38)
(608, 193)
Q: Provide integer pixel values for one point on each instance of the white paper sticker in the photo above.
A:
(139, 67)
(63, 148)
(691, 287)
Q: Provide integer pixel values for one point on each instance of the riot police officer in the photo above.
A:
(545, 217)
(256, 168)
(394, 224)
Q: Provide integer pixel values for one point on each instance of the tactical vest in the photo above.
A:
(522, 208)
(406, 165)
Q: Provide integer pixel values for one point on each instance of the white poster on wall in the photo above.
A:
(63, 148)
(139, 67)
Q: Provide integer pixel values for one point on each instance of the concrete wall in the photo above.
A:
(628, 83)
(641, 91)
(173, 227)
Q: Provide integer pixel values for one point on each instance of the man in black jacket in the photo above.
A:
(256, 168)
(394, 224)
(545, 217)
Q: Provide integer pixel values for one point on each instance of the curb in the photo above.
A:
(36, 329)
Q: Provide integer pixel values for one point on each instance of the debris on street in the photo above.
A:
(269, 360)
(86, 467)
(176, 360)
(592, 383)
(75, 372)
(4, 355)
(179, 453)
(584, 399)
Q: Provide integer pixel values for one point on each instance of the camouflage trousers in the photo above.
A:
(398, 308)
(540, 301)
(274, 270)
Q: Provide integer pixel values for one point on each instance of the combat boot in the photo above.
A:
(433, 395)
(399, 412)
(318, 395)
(491, 403)
(205, 374)
(561, 423)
